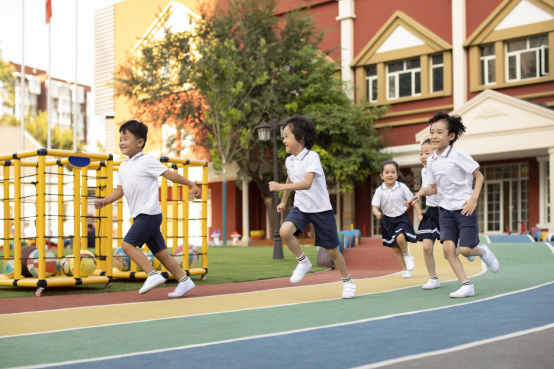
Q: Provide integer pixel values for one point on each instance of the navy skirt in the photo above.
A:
(429, 227)
(393, 226)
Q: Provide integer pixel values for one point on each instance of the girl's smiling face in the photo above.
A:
(425, 152)
(389, 175)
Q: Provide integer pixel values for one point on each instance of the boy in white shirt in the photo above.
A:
(311, 201)
(450, 173)
(137, 179)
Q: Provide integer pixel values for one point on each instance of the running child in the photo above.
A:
(311, 201)
(396, 227)
(450, 173)
(137, 179)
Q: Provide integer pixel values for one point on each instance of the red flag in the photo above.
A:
(48, 10)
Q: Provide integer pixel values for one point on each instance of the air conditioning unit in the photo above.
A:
(34, 85)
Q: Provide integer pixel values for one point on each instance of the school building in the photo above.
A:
(486, 60)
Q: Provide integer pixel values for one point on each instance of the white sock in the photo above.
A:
(152, 273)
(303, 259)
(184, 279)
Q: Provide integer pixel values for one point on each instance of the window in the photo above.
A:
(404, 79)
(527, 58)
(437, 73)
(488, 65)
(371, 82)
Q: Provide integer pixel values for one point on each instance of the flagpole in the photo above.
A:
(76, 85)
(49, 109)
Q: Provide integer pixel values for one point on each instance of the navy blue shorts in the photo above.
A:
(146, 230)
(429, 227)
(324, 223)
(393, 226)
(459, 228)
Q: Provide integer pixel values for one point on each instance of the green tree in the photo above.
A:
(235, 64)
(7, 84)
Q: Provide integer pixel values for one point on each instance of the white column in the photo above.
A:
(459, 88)
(245, 213)
(543, 162)
(551, 181)
(348, 210)
(346, 18)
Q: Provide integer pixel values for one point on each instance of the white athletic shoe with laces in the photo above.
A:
(407, 273)
(490, 259)
(464, 291)
(152, 282)
(432, 284)
(409, 260)
(300, 271)
(348, 290)
(471, 258)
(182, 288)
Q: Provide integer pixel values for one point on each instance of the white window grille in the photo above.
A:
(34, 85)
(437, 73)
(527, 58)
(488, 65)
(404, 79)
(371, 83)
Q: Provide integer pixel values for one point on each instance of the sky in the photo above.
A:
(63, 29)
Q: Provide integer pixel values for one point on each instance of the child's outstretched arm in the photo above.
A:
(306, 184)
(114, 196)
(177, 178)
(431, 190)
(418, 211)
(469, 206)
(283, 204)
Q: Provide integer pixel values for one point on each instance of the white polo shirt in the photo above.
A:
(452, 172)
(316, 199)
(390, 201)
(138, 176)
(433, 200)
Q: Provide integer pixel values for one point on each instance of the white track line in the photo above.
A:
(283, 333)
(531, 238)
(454, 349)
(484, 269)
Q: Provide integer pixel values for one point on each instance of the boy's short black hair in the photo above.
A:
(454, 123)
(303, 130)
(427, 141)
(89, 226)
(138, 129)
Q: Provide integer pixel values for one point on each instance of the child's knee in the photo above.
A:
(427, 248)
(401, 238)
(126, 247)
(465, 251)
(287, 230)
(331, 252)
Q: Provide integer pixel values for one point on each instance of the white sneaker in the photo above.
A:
(152, 282)
(409, 260)
(348, 290)
(432, 284)
(300, 271)
(471, 258)
(182, 288)
(464, 291)
(407, 273)
(490, 259)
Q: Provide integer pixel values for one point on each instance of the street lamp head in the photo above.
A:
(282, 126)
(264, 131)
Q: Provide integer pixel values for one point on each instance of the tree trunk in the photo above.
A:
(224, 206)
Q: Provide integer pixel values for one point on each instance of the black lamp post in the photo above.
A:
(264, 130)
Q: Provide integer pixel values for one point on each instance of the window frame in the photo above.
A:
(369, 80)
(539, 63)
(486, 65)
(396, 75)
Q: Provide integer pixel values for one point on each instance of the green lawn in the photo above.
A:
(227, 264)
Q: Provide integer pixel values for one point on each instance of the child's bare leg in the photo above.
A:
(287, 234)
(402, 243)
(170, 263)
(449, 248)
(468, 251)
(137, 256)
(428, 256)
(399, 256)
(339, 261)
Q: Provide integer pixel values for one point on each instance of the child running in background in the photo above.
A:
(137, 179)
(311, 201)
(429, 229)
(450, 173)
(396, 226)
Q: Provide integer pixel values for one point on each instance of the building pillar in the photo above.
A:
(551, 183)
(543, 188)
(459, 88)
(346, 18)
(245, 213)
(348, 210)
